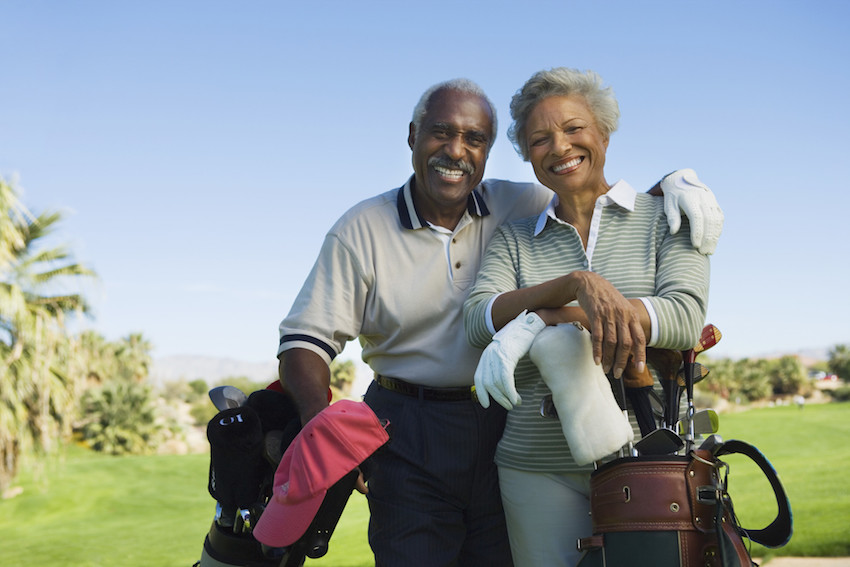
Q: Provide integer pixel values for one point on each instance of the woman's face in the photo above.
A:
(566, 148)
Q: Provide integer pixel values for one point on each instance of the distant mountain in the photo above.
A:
(213, 369)
(808, 357)
(209, 368)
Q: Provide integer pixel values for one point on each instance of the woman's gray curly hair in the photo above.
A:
(460, 85)
(562, 81)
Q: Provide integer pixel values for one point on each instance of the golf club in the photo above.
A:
(708, 338)
(547, 407)
(700, 373)
(704, 422)
(712, 443)
(667, 363)
(638, 386)
(226, 397)
(662, 441)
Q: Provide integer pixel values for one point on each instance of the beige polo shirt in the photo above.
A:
(387, 277)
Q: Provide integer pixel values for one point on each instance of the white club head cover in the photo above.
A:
(683, 190)
(495, 373)
(591, 420)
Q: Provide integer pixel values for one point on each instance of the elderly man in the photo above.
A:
(394, 271)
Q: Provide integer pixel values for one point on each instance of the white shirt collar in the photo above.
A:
(621, 194)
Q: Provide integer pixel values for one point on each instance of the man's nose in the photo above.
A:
(454, 147)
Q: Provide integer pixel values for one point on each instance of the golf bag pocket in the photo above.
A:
(674, 510)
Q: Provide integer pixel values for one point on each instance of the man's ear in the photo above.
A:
(411, 135)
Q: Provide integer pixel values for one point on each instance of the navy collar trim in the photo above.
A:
(410, 217)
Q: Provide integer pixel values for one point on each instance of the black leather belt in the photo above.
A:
(423, 393)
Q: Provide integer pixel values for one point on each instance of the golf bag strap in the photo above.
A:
(778, 532)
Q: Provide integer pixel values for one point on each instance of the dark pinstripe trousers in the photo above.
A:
(434, 488)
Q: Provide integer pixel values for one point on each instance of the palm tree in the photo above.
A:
(35, 395)
(133, 354)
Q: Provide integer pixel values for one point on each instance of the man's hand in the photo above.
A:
(495, 373)
(683, 190)
(360, 484)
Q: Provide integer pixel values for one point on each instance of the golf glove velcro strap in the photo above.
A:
(684, 191)
(495, 373)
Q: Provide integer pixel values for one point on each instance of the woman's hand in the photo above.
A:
(613, 321)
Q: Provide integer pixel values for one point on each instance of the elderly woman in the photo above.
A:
(600, 255)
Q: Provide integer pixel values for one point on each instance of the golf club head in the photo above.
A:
(227, 397)
(706, 422)
(712, 443)
(709, 337)
(700, 373)
(547, 407)
(660, 442)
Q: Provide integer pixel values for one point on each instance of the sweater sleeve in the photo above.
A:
(681, 297)
(497, 275)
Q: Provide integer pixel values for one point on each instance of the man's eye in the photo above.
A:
(440, 133)
(476, 140)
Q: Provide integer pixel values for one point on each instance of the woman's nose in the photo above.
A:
(561, 143)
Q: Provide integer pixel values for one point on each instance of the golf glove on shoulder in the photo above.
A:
(495, 373)
(684, 191)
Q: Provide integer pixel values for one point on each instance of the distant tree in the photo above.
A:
(721, 380)
(133, 355)
(36, 394)
(839, 361)
(343, 374)
(787, 376)
(198, 388)
(740, 381)
(121, 419)
(753, 380)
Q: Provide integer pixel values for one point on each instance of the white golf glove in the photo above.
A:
(683, 190)
(495, 373)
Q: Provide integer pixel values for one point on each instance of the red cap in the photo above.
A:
(332, 444)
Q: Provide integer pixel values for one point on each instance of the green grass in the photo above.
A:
(95, 510)
(809, 449)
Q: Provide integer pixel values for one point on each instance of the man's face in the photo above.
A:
(450, 150)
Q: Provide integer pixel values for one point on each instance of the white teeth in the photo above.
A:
(571, 163)
(456, 173)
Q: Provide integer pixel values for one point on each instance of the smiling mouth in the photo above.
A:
(567, 165)
(451, 174)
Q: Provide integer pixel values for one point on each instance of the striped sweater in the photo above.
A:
(631, 247)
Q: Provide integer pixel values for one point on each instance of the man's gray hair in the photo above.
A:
(460, 85)
(562, 81)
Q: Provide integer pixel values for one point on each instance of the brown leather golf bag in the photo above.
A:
(673, 510)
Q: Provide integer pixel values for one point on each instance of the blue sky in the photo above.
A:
(200, 150)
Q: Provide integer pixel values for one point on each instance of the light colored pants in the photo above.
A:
(546, 514)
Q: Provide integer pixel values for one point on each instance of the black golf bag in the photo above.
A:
(246, 445)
